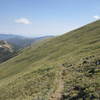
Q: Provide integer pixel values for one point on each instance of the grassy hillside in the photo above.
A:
(66, 67)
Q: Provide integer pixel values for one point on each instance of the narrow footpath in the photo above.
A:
(57, 95)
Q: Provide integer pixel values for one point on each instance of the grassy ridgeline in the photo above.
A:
(34, 72)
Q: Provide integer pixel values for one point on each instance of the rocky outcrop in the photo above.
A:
(6, 51)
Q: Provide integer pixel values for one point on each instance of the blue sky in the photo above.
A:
(44, 17)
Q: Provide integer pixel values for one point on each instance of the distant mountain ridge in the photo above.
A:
(7, 36)
(19, 42)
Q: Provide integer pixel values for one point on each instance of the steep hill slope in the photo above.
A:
(73, 58)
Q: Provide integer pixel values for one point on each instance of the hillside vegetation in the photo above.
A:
(63, 68)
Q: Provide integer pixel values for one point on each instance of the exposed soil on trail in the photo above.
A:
(57, 95)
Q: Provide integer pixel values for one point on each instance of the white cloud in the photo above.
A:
(96, 17)
(23, 21)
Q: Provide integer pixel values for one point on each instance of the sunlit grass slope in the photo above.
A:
(33, 74)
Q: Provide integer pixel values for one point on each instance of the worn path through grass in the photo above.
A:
(57, 95)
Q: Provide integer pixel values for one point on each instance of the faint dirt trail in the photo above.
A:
(57, 95)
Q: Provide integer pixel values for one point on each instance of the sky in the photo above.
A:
(35, 18)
